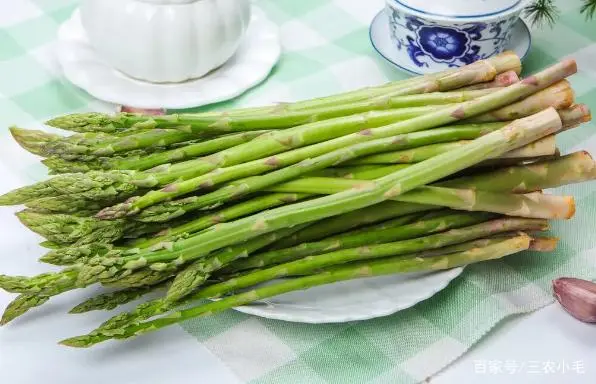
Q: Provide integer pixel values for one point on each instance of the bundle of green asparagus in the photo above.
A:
(425, 174)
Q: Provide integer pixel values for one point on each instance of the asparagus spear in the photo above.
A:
(73, 254)
(111, 300)
(560, 96)
(444, 116)
(515, 135)
(543, 147)
(351, 271)
(143, 162)
(70, 229)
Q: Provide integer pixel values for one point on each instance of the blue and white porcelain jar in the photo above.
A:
(439, 34)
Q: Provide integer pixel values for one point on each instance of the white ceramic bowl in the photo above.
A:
(435, 35)
(165, 40)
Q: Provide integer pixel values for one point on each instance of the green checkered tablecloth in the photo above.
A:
(326, 49)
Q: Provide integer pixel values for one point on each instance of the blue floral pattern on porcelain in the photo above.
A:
(455, 44)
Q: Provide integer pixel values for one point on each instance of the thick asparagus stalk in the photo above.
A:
(560, 96)
(532, 205)
(573, 168)
(513, 136)
(348, 272)
(543, 147)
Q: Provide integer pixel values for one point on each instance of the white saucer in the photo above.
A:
(251, 64)
(353, 300)
(521, 41)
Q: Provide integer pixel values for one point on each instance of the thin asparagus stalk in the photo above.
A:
(141, 163)
(288, 115)
(479, 71)
(348, 272)
(513, 136)
(447, 115)
(112, 300)
(369, 236)
(153, 138)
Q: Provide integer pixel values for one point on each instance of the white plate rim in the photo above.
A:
(256, 310)
(269, 55)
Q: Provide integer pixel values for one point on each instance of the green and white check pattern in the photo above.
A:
(326, 50)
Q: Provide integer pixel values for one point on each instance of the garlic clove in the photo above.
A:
(578, 297)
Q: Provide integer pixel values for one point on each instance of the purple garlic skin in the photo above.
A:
(578, 297)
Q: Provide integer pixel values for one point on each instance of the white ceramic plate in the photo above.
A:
(353, 300)
(251, 64)
(521, 41)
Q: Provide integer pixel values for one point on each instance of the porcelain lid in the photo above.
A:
(460, 8)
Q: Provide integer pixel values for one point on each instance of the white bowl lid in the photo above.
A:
(460, 8)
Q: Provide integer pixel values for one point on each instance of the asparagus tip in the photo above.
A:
(76, 121)
(75, 342)
(114, 212)
(20, 306)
